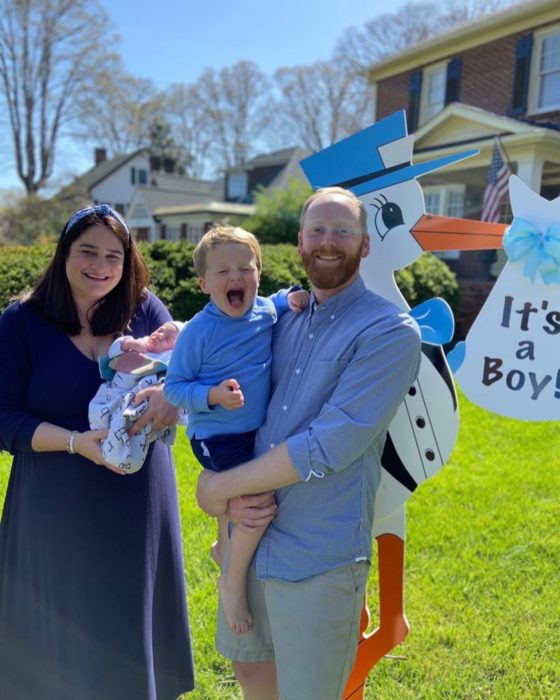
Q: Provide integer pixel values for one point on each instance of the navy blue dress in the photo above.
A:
(92, 594)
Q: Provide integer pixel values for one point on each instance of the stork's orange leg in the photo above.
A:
(393, 625)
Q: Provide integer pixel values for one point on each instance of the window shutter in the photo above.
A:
(521, 75)
(453, 81)
(183, 232)
(163, 232)
(132, 175)
(414, 86)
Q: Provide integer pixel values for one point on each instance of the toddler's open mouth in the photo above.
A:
(235, 297)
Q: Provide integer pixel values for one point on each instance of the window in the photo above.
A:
(544, 81)
(237, 186)
(549, 72)
(432, 98)
(447, 200)
(120, 209)
(142, 176)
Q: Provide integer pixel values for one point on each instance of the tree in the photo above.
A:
(186, 114)
(236, 109)
(49, 50)
(118, 111)
(277, 212)
(413, 23)
(163, 147)
(32, 219)
(343, 95)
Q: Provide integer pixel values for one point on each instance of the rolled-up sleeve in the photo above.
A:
(368, 392)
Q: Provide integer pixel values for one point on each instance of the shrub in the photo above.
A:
(276, 217)
(175, 281)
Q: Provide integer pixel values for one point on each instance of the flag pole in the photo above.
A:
(502, 148)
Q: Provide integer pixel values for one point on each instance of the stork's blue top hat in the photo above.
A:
(366, 161)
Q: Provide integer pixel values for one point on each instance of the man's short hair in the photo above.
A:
(324, 191)
(224, 234)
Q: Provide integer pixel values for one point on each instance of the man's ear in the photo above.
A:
(299, 242)
(202, 285)
(366, 245)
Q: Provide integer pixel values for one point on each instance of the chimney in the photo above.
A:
(100, 155)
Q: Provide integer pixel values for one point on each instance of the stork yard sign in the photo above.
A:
(376, 164)
(509, 363)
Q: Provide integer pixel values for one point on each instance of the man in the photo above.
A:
(340, 370)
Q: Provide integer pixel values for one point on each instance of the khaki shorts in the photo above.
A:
(310, 629)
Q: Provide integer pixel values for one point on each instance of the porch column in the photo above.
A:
(530, 171)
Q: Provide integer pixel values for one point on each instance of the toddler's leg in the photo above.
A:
(233, 581)
(219, 548)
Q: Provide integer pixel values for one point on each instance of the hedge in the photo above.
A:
(174, 279)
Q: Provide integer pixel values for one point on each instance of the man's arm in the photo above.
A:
(270, 471)
(367, 395)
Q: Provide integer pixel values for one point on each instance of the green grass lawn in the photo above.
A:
(482, 579)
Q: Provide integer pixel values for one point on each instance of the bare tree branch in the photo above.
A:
(322, 103)
(49, 52)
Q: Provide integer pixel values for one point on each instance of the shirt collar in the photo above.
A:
(340, 301)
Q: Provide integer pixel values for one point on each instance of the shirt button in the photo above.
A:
(332, 317)
(284, 407)
(298, 370)
(310, 336)
(272, 444)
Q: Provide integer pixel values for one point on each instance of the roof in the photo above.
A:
(280, 157)
(100, 172)
(210, 207)
(172, 182)
(481, 30)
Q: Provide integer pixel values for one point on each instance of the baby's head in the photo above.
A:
(164, 337)
(228, 262)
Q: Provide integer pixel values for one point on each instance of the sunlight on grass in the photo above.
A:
(482, 578)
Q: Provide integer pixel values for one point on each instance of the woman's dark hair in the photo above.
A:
(53, 295)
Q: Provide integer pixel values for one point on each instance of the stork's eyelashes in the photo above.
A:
(387, 216)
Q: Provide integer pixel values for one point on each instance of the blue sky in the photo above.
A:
(172, 41)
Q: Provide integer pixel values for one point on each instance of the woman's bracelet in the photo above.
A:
(70, 442)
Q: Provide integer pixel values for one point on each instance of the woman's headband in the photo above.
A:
(99, 210)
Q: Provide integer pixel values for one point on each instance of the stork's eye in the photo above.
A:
(387, 216)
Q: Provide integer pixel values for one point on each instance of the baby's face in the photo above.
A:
(163, 338)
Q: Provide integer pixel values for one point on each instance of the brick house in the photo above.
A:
(498, 75)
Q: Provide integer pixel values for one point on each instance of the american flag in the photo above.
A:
(497, 187)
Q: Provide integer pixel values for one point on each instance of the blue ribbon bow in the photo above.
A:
(541, 251)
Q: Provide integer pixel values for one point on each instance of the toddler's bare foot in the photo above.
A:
(234, 603)
(218, 553)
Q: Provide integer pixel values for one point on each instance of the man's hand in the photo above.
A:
(207, 494)
(160, 413)
(227, 394)
(298, 300)
(250, 513)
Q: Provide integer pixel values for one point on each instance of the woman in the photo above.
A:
(92, 598)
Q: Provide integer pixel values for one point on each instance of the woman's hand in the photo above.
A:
(87, 445)
(160, 413)
(251, 513)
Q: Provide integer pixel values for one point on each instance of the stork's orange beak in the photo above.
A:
(445, 233)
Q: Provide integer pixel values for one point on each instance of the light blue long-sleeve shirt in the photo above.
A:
(213, 347)
(339, 371)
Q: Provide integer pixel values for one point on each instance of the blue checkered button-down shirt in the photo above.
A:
(339, 371)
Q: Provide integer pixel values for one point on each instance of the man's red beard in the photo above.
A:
(330, 276)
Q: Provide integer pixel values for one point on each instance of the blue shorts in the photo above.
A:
(223, 452)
